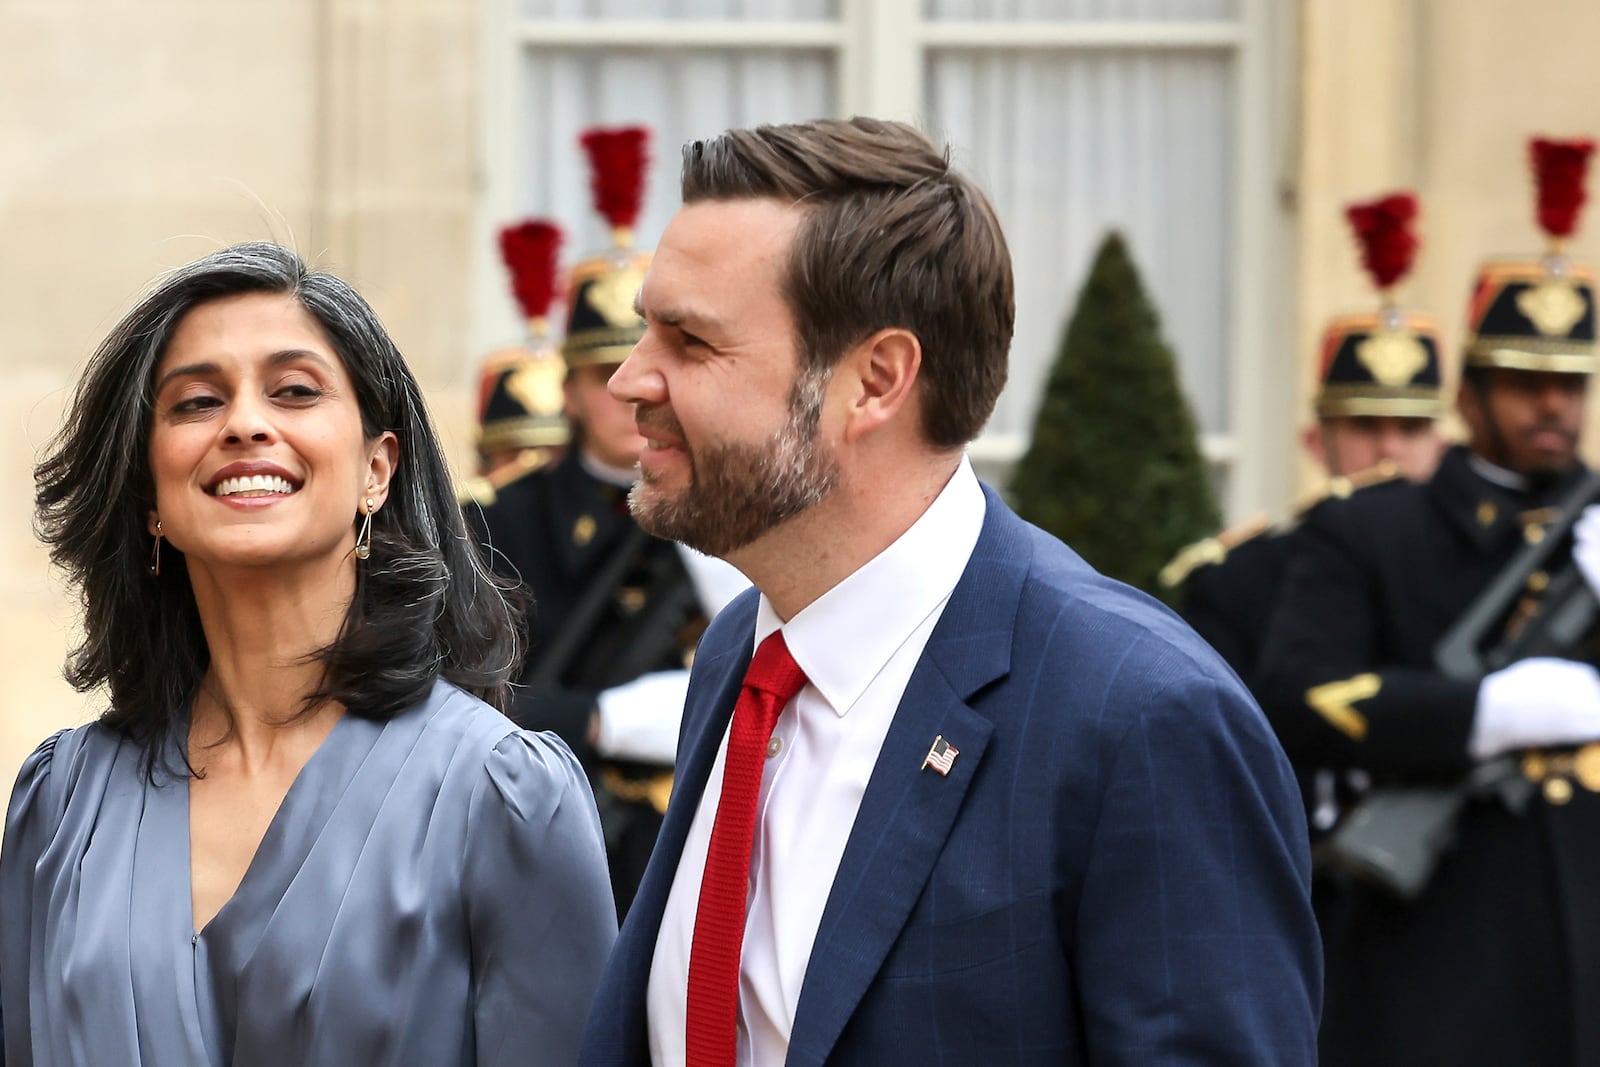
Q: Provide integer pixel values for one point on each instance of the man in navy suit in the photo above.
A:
(944, 794)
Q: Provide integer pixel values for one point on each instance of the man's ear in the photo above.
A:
(570, 405)
(1311, 440)
(883, 370)
(381, 465)
(1469, 405)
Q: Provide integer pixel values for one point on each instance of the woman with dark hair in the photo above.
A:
(302, 833)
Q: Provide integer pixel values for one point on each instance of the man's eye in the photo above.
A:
(691, 341)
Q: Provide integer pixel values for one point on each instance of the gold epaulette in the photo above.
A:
(1341, 486)
(483, 489)
(479, 491)
(1213, 549)
(655, 790)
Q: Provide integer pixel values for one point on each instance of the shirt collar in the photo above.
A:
(1493, 472)
(844, 638)
(621, 477)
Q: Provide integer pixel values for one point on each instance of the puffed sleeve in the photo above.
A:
(539, 909)
(31, 820)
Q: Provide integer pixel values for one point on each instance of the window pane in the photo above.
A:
(754, 10)
(679, 95)
(1173, 10)
(1071, 145)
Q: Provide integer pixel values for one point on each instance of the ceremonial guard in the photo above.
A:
(522, 421)
(1379, 393)
(1431, 636)
(615, 613)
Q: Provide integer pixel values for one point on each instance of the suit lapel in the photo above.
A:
(703, 733)
(907, 811)
(710, 707)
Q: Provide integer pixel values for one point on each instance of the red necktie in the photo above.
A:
(713, 1017)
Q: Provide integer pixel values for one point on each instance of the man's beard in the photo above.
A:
(737, 492)
(1542, 474)
(1547, 476)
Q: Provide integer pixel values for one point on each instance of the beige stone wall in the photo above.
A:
(137, 136)
(1439, 96)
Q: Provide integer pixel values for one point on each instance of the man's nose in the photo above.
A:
(1552, 397)
(1390, 442)
(618, 384)
(636, 380)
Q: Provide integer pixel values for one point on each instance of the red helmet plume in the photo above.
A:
(531, 250)
(1388, 242)
(1559, 168)
(617, 159)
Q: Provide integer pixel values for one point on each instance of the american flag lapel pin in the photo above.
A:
(940, 756)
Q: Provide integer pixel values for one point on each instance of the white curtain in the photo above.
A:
(1071, 145)
(679, 95)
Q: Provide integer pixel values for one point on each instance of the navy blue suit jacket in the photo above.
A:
(1115, 870)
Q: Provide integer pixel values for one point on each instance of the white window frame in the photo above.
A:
(882, 48)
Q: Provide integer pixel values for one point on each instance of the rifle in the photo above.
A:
(1566, 612)
(579, 626)
(652, 636)
(1397, 834)
(673, 602)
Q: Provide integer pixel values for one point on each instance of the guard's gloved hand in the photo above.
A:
(639, 720)
(1586, 546)
(1533, 703)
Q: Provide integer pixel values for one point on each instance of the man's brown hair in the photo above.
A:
(892, 237)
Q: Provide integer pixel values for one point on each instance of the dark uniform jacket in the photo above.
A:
(609, 603)
(1498, 961)
(1230, 602)
(1228, 595)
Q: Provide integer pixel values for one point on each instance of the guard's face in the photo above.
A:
(1527, 421)
(256, 446)
(735, 443)
(609, 435)
(1354, 443)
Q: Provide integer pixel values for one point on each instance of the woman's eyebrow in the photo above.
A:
(203, 370)
(188, 370)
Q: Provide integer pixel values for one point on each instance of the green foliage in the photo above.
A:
(1114, 468)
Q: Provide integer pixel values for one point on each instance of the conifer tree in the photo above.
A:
(1114, 467)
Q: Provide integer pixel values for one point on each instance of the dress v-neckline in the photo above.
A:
(276, 841)
(190, 980)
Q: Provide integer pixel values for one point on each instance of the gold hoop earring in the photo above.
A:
(155, 552)
(364, 538)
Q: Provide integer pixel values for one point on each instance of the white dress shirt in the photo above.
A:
(857, 644)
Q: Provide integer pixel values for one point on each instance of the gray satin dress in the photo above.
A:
(433, 891)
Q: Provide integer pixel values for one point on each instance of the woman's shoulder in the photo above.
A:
(502, 748)
(63, 763)
(450, 715)
(528, 826)
(509, 771)
(72, 751)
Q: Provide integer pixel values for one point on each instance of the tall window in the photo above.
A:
(1077, 116)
